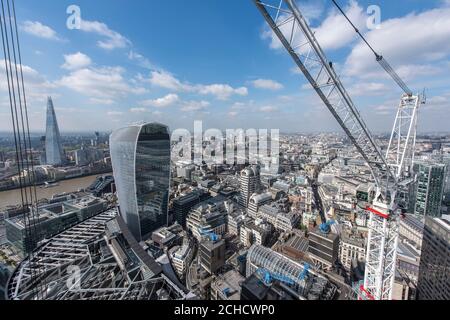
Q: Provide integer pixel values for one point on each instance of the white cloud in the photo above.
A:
(190, 106)
(163, 102)
(233, 113)
(441, 102)
(76, 61)
(37, 87)
(222, 91)
(40, 30)
(114, 40)
(139, 59)
(335, 32)
(104, 101)
(425, 41)
(138, 110)
(238, 106)
(267, 84)
(114, 113)
(100, 84)
(368, 89)
(166, 80)
(312, 9)
(268, 109)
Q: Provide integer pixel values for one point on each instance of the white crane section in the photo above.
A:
(400, 152)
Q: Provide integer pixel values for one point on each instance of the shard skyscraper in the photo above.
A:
(53, 148)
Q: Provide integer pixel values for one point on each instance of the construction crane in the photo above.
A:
(325, 228)
(305, 272)
(292, 29)
(211, 235)
(268, 277)
(401, 148)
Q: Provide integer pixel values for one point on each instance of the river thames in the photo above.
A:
(12, 197)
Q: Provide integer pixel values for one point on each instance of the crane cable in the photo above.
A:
(21, 132)
(380, 59)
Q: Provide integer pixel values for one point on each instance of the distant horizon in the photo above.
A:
(91, 132)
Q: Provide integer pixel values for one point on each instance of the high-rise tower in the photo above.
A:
(434, 282)
(249, 184)
(140, 157)
(428, 192)
(53, 147)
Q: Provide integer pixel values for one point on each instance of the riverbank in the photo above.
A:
(12, 197)
(100, 173)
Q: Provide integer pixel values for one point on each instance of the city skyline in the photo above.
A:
(106, 75)
(219, 171)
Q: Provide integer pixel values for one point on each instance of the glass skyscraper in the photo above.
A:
(434, 280)
(428, 192)
(54, 152)
(140, 156)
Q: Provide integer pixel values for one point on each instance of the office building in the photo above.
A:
(411, 229)
(254, 289)
(140, 156)
(212, 255)
(428, 191)
(49, 221)
(164, 238)
(235, 222)
(323, 248)
(183, 204)
(85, 156)
(352, 248)
(250, 183)
(293, 245)
(256, 201)
(434, 269)
(282, 221)
(407, 271)
(181, 257)
(255, 232)
(54, 152)
(208, 217)
(227, 286)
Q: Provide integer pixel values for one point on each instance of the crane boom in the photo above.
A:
(293, 31)
(380, 59)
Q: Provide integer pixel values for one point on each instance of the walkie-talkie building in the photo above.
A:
(53, 148)
(140, 157)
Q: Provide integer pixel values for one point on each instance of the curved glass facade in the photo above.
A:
(140, 157)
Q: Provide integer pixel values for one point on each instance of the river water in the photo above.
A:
(12, 197)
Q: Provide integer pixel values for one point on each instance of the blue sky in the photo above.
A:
(180, 61)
